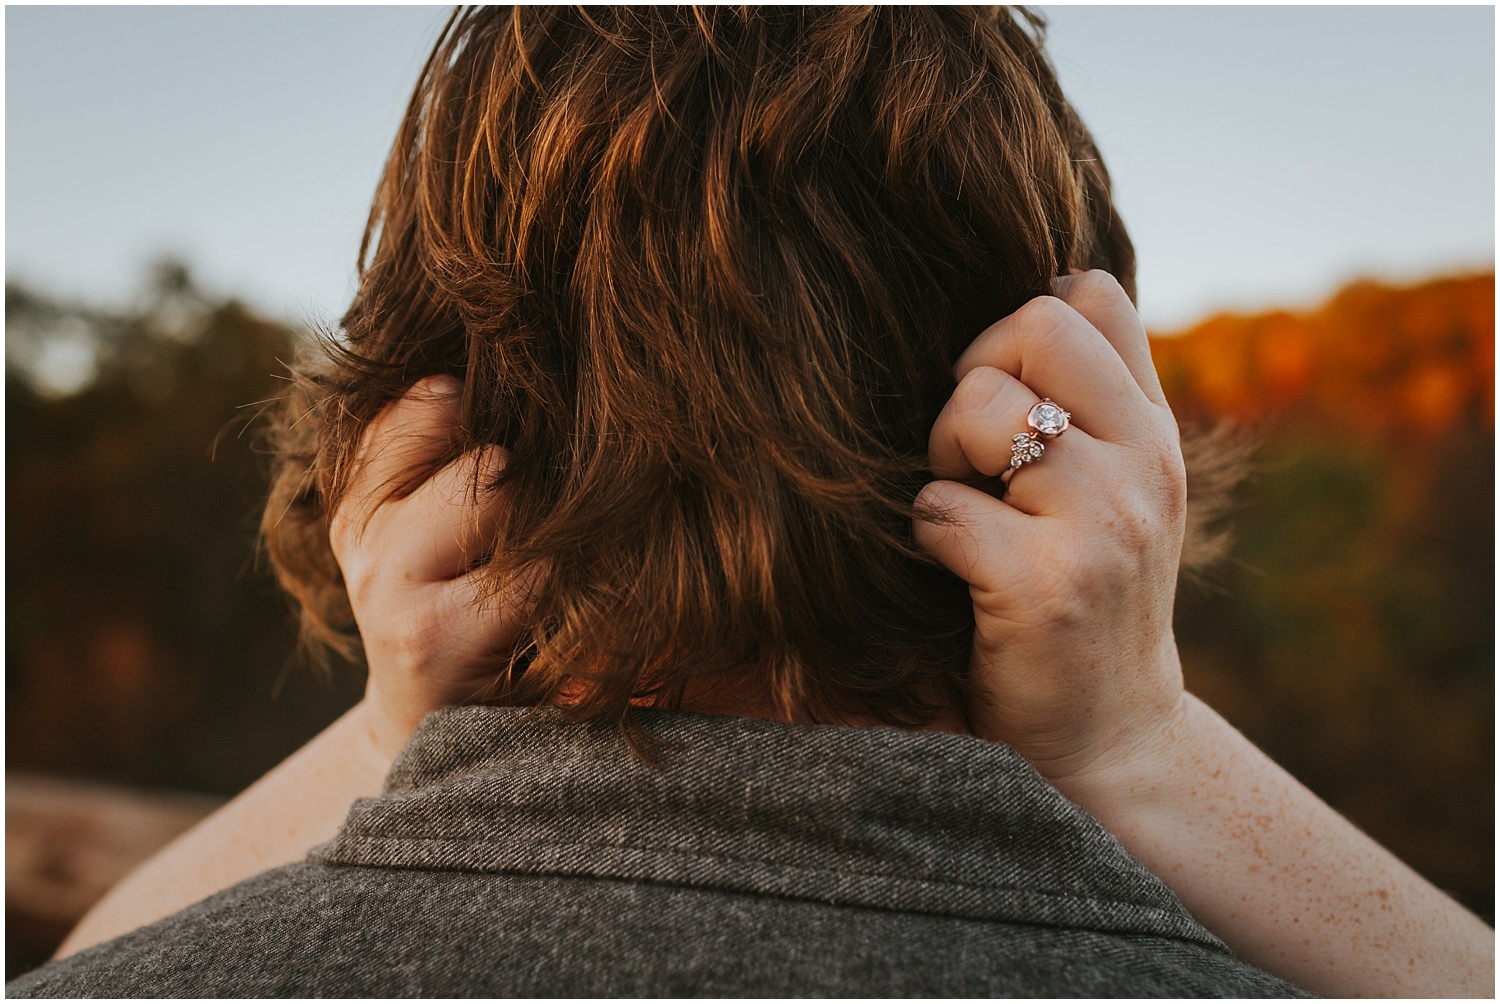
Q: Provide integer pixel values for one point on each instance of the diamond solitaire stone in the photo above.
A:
(1047, 418)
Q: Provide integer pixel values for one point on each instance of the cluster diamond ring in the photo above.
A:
(1048, 421)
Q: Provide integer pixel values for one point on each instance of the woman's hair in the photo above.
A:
(704, 272)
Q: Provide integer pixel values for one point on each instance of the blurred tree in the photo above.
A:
(1353, 635)
(142, 642)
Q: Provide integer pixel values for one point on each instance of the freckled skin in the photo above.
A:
(1290, 884)
(1259, 859)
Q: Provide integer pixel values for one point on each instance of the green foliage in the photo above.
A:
(1356, 641)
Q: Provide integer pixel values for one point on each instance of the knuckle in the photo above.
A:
(1141, 526)
(1043, 315)
(978, 390)
(340, 537)
(1061, 611)
(349, 531)
(408, 639)
(1097, 283)
(1173, 483)
(439, 386)
(1169, 480)
(421, 632)
(426, 399)
(362, 582)
(1137, 512)
(1060, 594)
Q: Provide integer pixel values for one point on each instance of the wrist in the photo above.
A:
(1146, 775)
(1093, 730)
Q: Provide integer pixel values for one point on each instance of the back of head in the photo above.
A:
(705, 273)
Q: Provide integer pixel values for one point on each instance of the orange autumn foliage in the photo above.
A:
(1376, 359)
(1351, 635)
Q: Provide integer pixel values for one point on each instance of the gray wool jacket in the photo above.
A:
(514, 854)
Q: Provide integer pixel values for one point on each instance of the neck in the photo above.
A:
(711, 698)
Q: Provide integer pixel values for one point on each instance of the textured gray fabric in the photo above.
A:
(514, 854)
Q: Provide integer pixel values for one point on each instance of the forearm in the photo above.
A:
(1287, 882)
(274, 822)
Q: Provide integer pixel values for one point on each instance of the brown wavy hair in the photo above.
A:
(704, 272)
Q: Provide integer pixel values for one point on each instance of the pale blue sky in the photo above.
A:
(1262, 156)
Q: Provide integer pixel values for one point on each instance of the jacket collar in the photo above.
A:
(871, 817)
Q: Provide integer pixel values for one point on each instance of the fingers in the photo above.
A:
(484, 620)
(1085, 349)
(447, 525)
(1099, 298)
(973, 436)
(1056, 352)
(408, 435)
(973, 535)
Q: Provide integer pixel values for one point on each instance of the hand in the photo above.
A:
(1072, 578)
(431, 638)
(1073, 574)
